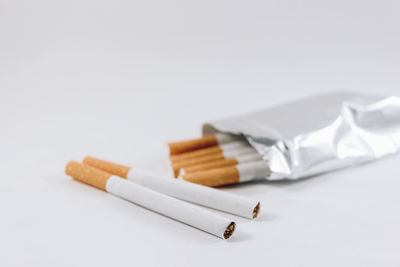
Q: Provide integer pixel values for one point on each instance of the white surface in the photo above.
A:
(117, 79)
(168, 206)
(194, 193)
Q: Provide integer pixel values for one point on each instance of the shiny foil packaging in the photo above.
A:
(319, 134)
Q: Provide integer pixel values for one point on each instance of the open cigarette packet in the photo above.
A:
(291, 141)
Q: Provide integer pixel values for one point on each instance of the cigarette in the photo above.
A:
(220, 163)
(147, 198)
(229, 175)
(208, 151)
(198, 194)
(194, 144)
(231, 153)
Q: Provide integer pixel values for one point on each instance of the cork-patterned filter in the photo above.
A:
(87, 174)
(191, 162)
(110, 167)
(192, 144)
(196, 153)
(214, 177)
(210, 165)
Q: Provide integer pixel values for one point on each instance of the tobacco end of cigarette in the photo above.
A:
(110, 167)
(229, 230)
(87, 174)
(256, 210)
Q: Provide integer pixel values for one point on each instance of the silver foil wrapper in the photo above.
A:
(319, 134)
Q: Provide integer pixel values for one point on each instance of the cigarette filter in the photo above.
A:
(194, 193)
(147, 198)
(208, 151)
(221, 163)
(209, 158)
(194, 144)
(229, 175)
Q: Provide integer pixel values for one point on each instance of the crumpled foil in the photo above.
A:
(319, 134)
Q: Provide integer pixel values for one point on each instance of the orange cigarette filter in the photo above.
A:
(116, 169)
(195, 161)
(192, 144)
(87, 174)
(214, 177)
(196, 153)
(209, 165)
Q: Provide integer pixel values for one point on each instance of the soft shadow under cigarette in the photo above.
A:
(240, 236)
(266, 217)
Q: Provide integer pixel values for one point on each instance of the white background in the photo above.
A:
(117, 79)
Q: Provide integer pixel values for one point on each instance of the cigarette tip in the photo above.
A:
(256, 210)
(229, 230)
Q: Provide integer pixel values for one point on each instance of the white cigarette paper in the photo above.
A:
(230, 175)
(220, 163)
(221, 154)
(252, 170)
(190, 192)
(153, 200)
(209, 150)
(248, 157)
(231, 153)
(169, 206)
(202, 195)
(226, 138)
(199, 143)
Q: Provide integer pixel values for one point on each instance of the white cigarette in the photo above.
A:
(208, 151)
(206, 141)
(220, 163)
(191, 192)
(229, 153)
(230, 175)
(147, 198)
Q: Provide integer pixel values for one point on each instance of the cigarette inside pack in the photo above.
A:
(291, 141)
(229, 160)
(287, 141)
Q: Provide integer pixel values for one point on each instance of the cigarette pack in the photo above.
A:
(318, 134)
